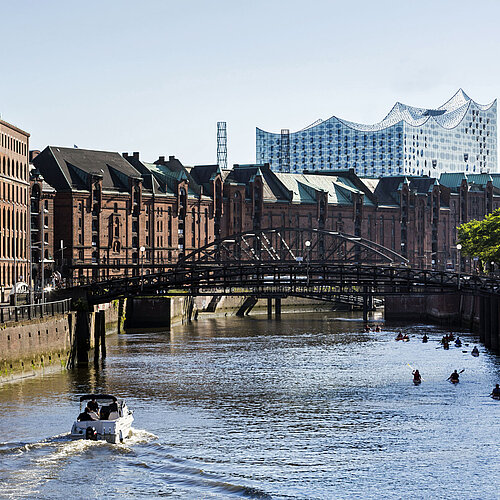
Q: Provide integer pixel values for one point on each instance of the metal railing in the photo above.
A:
(33, 311)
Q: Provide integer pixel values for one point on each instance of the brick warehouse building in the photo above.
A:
(415, 216)
(14, 194)
(107, 207)
(121, 213)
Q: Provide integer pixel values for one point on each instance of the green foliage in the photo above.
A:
(481, 238)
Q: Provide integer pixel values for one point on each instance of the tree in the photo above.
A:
(481, 239)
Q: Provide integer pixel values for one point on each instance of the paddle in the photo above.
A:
(421, 378)
(461, 371)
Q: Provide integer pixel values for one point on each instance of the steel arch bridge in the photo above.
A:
(289, 262)
(294, 245)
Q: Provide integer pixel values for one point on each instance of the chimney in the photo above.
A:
(136, 155)
(171, 158)
(161, 159)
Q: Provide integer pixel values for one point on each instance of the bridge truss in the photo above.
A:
(291, 262)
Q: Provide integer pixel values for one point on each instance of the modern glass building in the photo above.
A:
(459, 136)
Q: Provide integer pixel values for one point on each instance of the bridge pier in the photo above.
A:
(487, 321)
(277, 307)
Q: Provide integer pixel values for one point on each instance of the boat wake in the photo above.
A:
(39, 462)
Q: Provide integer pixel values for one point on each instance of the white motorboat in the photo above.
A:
(104, 417)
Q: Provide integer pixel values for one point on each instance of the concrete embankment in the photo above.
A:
(442, 309)
(46, 344)
(157, 312)
(478, 313)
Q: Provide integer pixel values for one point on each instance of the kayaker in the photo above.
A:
(416, 376)
(475, 351)
(496, 392)
(458, 342)
(367, 328)
(446, 345)
(400, 336)
(378, 329)
(454, 377)
(425, 338)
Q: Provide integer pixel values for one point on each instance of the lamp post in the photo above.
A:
(307, 243)
(142, 250)
(459, 247)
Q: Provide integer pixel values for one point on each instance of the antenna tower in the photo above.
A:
(285, 150)
(222, 145)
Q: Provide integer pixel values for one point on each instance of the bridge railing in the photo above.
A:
(33, 311)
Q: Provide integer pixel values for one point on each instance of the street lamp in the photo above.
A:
(142, 250)
(307, 243)
(459, 247)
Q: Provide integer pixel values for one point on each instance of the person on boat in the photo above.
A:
(86, 415)
(425, 338)
(446, 345)
(458, 342)
(405, 337)
(475, 351)
(400, 336)
(93, 405)
(451, 336)
(416, 377)
(444, 340)
(496, 392)
(367, 328)
(378, 329)
(454, 377)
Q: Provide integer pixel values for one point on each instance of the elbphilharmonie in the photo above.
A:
(459, 136)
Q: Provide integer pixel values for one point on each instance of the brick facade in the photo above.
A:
(14, 194)
(119, 215)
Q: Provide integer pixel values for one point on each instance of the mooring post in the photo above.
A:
(82, 332)
(277, 306)
(97, 336)
(269, 308)
(102, 331)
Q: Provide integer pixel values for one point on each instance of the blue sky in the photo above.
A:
(155, 76)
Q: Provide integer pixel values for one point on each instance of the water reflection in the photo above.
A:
(306, 407)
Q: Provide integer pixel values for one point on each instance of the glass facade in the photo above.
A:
(459, 136)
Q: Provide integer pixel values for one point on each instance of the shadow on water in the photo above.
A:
(310, 406)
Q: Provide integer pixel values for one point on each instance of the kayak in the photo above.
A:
(417, 382)
(475, 354)
(454, 381)
(424, 341)
(495, 397)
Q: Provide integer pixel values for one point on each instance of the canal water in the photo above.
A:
(306, 407)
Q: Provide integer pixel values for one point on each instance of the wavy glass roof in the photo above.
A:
(447, 116)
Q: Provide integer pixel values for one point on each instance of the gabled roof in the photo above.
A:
(475, 181)
(163, 176)
(387, 189)
(72, 168)
(273, 188)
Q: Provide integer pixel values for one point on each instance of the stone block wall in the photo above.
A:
(30, 346)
